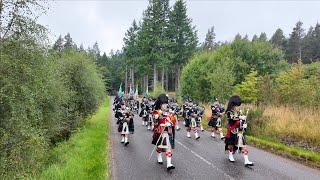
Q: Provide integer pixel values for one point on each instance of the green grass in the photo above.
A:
(85, 155)
(299, 154)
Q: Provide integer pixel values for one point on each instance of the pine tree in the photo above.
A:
(316, 43)
(238, 37)
(294, 48)
(183, 37)
(69, 42)
(58, 45)
(131, 51)
(209, 43)
(278, 39)
(81, 48)
(254, 38)
(263, 37)
(307, 46)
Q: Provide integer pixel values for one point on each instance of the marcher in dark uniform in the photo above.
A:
(126, 125)
(215, 119)
(235, 139)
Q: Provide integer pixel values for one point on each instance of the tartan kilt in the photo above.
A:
(213, 122)
(156, 136)
(233, 141)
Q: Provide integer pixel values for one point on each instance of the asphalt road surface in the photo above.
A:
(195, 159)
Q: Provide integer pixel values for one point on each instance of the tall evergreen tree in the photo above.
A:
(278, 39)
(294, 47)
(209, 42)
(307, 46)
(263, 37)
(316, 43)
(58, 45)
(69, 42)
(183, 37)
(131, 51)
(254, 38)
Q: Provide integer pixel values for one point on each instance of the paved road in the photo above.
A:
(196, 159)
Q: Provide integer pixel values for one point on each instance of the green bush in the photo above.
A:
(299, 85)
(42, 99)
(158, 90)
(207, 75)
(248, 89)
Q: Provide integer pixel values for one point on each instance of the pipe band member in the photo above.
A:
(164, 130)
(215, 119)
(235, 138)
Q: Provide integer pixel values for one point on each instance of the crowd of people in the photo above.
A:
(161, 116)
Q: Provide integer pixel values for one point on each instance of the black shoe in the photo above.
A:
(198, 138)
(126, 143)
(222, 138)
(248, 165)
(170, 167)
(160, 162)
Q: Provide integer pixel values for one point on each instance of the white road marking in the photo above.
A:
(204, 160)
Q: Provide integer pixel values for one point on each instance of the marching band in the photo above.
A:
(161, 116)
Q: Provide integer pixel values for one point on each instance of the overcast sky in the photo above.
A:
(107, 21)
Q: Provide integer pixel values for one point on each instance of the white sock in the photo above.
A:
(196, 135)
(188, 134)
(221, 134)
(122, 139)
(160, 157)
(246, 159)
(125, 139)
(231, 156)
(212, 134)
(169, 162)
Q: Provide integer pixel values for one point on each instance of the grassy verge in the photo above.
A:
(85, 155)
(307, 157)
(299, 154)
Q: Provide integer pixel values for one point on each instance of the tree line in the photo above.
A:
(155, 48)
(158, 47)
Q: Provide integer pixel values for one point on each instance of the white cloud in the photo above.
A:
(107, 21)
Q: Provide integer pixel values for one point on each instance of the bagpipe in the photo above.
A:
(241, 129)
(125, 120)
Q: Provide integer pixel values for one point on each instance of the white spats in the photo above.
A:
(221, 135)
(196, 135)
(212, 135)
(169, 164)
(160, 161)
(231, 159)
(126, 142)
(188, 135)
(246, 161)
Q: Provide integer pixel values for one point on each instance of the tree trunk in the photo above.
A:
(126, 81)
(176, 78)
(162, 78)
(147, 83)
(167, 80)
(155, 74)
(132, 78)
